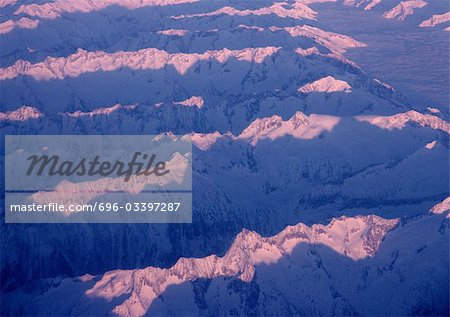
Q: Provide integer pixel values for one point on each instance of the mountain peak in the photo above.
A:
(82, 61)
(280, 9)
(404, 9)
(194, 101)
(441, 207)
(21, 114)
(399, 121)
(326, 85)
(356, 238)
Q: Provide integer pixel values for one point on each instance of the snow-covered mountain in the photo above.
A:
(289, 133)
(318, 171)
(437, 11)
(360, 265)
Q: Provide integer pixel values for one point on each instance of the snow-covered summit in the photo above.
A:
(442, 207)
(54, 9)
(281, 9)
(194, 101)
(355, 238)
(303, 126)
(326, 85)
(299, 126)
(331, 264)
(333, 41)
(22, 23)
(99, 111)
(436, 19)
(404, 9)
(150, 58)
(22, 114)
(398, 121)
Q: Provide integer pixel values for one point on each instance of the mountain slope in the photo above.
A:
(344, 265)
